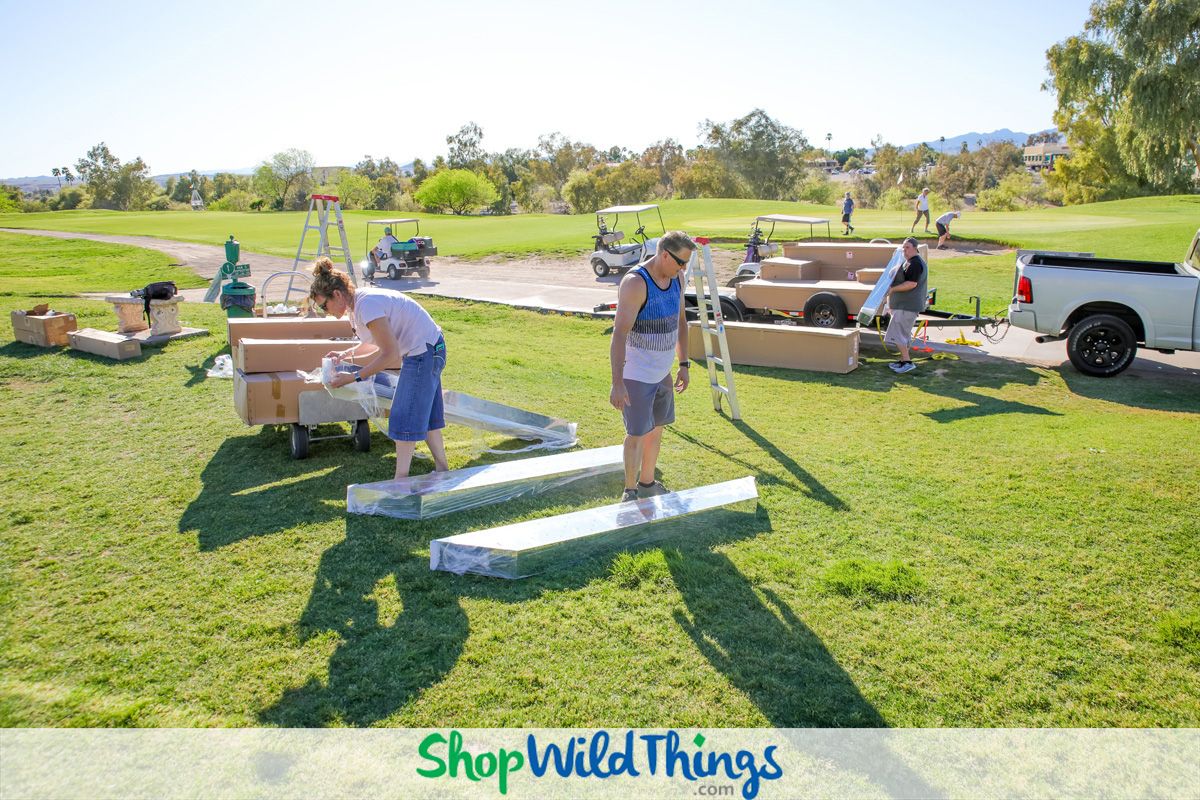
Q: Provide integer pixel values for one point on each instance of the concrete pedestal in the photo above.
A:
(164, 315)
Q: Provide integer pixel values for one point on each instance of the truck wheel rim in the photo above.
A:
(1103, 347)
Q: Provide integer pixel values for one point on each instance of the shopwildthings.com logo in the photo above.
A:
(600, 756)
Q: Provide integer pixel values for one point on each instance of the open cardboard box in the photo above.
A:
(847, 256)
(42, 326)
(789, 346)
(291, 328)
(275, 355)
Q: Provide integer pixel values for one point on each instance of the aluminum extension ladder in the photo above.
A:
(709, 303)
(322, 204)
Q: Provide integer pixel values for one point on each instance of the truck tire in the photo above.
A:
(825, 310)
(1101, 345)
(600, 267)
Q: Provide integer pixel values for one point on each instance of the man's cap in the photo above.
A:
(910, 240)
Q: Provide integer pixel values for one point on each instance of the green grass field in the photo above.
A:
(1152, 227)
(968, 545)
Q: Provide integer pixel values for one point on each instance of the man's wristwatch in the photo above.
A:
(357, 378)
(684, 364)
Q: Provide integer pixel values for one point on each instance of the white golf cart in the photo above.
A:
(402, 258)
(610, 254)
(760, 246)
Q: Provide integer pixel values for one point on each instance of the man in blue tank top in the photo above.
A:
(650, 329)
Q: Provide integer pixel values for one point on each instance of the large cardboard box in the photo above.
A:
(42, 326)
(780, 268)
(788, 346)
(105, 343)
(292, 328)
(277, 355)
(785, 295)
(269, 398)
(847, 256)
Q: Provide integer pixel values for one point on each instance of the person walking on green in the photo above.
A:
(847, 210)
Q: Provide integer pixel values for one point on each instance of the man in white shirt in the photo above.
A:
(383, 250)
(943, 227)
(922, 206)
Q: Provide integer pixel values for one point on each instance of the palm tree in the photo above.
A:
(66, 173)
(828, 139)
(56, 172)
(942, 144)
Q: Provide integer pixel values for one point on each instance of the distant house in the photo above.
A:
(1043, 156)
(824, 164)
(326, 174)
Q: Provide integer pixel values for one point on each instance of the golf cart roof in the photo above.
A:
(392, 221)
(626, 209)
(789, 218)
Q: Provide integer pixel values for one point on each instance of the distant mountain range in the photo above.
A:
(953, 144)
(35, 183)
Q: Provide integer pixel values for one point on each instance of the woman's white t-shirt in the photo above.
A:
(408, 321)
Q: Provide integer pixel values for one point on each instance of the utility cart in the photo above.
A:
(400, 258)
(609, 253)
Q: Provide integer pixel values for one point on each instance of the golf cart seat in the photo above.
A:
(612, 238)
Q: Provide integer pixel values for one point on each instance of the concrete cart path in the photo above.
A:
(578, 291)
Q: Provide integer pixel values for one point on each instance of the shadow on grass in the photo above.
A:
(382, 664)
(804, 480)
(23, 350)
(1172, 389)
(961, 386)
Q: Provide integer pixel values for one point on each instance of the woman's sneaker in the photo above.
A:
(905, 366)
(629, 495)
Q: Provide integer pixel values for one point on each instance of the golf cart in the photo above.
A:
(409, 257)
(760, 246)
(610, 254)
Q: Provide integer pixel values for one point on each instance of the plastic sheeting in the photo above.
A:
(438, 493)
(375, 396)
(874, 303)
(527, 548)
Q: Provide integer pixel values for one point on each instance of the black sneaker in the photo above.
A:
(629, 496)
(652, 489)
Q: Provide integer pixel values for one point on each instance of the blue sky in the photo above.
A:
(219, 85)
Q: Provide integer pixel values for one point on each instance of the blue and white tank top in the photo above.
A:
(650, 346)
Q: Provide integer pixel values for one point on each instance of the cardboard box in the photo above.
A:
(291, 328)
(785, 295)
(780, 268)
(269, 398)
(869, 276)
(847, 256)
(277, 355)
(788, 346)
(42, 326)
(104, 343)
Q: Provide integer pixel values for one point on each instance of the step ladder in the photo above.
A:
(322, 205)
(712, 331)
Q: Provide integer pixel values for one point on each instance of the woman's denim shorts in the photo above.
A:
(417, 406)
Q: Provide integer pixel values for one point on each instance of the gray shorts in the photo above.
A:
(900, 328)
(650, 405)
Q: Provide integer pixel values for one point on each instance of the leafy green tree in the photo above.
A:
(113, 184)
(374, 170)
(767, 155)
(280, 178)
(582, 191)
(1135, 69)
(354, 190)
(705, 175)
(458, 190)
(1043, 137)
(665, 158)
(10, 199)
(466, 148)
(419, 172)
(225, 182)
(181, 190)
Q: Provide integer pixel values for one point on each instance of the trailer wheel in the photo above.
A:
(730, 311)
(299, 441)
(741, 277)
(825, 310)
(1101, 345)
(362, 436)
(600, 267)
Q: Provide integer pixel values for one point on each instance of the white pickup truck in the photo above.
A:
(1105, 308)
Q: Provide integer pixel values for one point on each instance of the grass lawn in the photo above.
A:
(967, 545)
(1151, 227)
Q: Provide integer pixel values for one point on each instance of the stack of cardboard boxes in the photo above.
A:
(266, 356)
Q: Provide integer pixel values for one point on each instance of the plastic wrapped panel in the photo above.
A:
(474, 412)
(527, 548)
(438, 493)
(873, 305)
